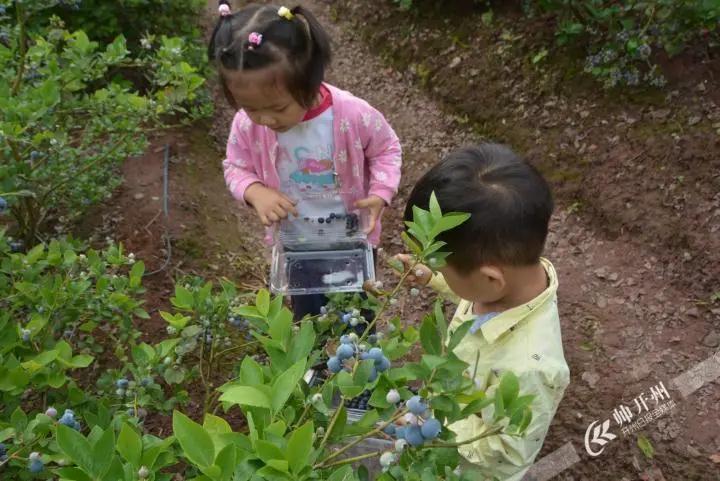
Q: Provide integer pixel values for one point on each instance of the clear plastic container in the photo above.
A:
(343, 269)
(322, 255)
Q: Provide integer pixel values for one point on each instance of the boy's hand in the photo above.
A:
(422, 273)
(375, 205)
(271, 205)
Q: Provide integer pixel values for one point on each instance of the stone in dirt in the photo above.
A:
(712, 339)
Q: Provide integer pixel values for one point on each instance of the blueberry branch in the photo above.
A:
(385, 304)
(353, 459)
(486, 434)
(398, 414)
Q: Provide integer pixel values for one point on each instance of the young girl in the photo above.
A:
(299, 149)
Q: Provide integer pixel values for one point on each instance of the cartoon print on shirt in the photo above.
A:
(314, 171)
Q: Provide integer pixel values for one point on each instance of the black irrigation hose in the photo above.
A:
(166, 234)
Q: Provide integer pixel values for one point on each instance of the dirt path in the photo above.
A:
(627, 325)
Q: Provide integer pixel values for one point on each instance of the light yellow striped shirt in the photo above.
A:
(525, 340)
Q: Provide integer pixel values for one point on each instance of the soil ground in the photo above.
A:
(634, 238)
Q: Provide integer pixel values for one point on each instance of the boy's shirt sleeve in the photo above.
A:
(506, 457)
(383, 154)
(239, 166)
(438, 284)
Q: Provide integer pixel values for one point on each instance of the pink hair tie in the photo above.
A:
(255, 39)
(224, 10)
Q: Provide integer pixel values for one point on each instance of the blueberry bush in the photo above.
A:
(292, 394)
(69, 116)
(621, 41)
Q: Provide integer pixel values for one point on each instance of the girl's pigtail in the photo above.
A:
(320, 53)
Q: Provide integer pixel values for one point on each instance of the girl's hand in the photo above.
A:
(375, 205)
(422, 273)
(271, 205)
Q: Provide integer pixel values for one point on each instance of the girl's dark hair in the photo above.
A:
(300, 46)
(508, 200)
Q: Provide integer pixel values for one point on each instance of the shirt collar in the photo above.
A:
(498, 324)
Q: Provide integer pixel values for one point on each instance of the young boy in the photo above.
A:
(497, 277)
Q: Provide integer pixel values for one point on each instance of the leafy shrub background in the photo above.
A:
(621, 40)
(70, 116)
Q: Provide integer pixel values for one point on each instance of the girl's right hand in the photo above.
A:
(271, 205)
(422, 273)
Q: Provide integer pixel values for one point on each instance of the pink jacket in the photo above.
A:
(367, 154)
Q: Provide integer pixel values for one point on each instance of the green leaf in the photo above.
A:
(448, 222)
(246, 396)
(183, 298)
(429, 337)
(136, 273)
(103, 453)
(440, 319)
(343, 474)
(262, 301)
(645, 446)
(251, 372)
(433, 362)
(129, 445)
(226, 461)
(347, 385)
(509, 388)
(459, 334)
(73, 474)
(300, 446)
(285, 384)
(194, 440)
(75, 447)
(435, 211)
(268, 451)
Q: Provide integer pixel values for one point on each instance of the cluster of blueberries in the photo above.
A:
(350, 349)
(359, 402)
(124, 387)
(419, 427)
(352, 221)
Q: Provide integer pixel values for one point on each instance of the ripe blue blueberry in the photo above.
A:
(346, 317)
(76, 426)
(400, 432)
(16, 247)
(383, 364)
(372, 339)
(431, 428)
(389, 429)
(416, 405)
(345, 339)
(345, 351)
(3, 205)
(376, 354)
(334, 364)
(3, 449)
(122, 383)
(364, 355)
(51, 412)
(373, 375)
(413, 435)
(36, 466)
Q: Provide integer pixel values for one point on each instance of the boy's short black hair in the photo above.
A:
(509, 201)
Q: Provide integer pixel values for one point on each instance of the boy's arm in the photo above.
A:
(238, 166)
(509, 457)
(438, 284)
(383, 153)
